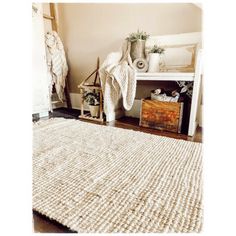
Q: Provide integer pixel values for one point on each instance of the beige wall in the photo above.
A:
(47, 23)
(92, 30)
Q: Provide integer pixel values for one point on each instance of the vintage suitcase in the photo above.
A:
(161, 115)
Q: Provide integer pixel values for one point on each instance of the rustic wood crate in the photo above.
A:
(161, 115)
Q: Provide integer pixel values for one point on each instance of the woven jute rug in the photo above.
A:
(94, 178)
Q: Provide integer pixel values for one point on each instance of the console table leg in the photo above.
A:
(195, 95)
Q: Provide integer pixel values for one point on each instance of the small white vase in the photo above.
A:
(154, 61)
(94, 110)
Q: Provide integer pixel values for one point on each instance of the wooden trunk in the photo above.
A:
(161, 115)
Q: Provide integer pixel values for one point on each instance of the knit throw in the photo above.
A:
(118, 79)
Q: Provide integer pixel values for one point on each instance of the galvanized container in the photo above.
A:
(137, 49)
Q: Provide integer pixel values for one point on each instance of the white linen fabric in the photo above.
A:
(56, 61)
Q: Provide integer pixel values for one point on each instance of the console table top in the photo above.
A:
(166, 76)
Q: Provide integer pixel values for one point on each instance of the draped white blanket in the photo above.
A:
(56, 61)
(118, 79)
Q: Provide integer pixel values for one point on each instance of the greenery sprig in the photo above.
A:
(133, 37)
(157, 49)
(91, 98)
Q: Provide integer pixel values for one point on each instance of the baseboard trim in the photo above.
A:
(135, 110)
(200, 118)
(76, 100)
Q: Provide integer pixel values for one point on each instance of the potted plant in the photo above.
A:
(154, 58)
(92, 98)
(137, 40)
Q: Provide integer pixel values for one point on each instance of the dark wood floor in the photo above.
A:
(44, 225)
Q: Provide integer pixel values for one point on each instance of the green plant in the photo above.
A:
(157, 49)
(91, 98)
(133, 37)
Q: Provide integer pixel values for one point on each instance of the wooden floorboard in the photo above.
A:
(42, 224)
(133, 123)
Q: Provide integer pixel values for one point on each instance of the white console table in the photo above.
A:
(173, 41)
(178, 76)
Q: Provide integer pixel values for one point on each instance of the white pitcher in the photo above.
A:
(154, 61)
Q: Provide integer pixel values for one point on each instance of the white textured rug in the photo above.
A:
(94, 178)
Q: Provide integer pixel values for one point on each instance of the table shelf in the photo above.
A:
(166, 76)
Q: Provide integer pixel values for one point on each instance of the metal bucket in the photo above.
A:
(137, 49)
